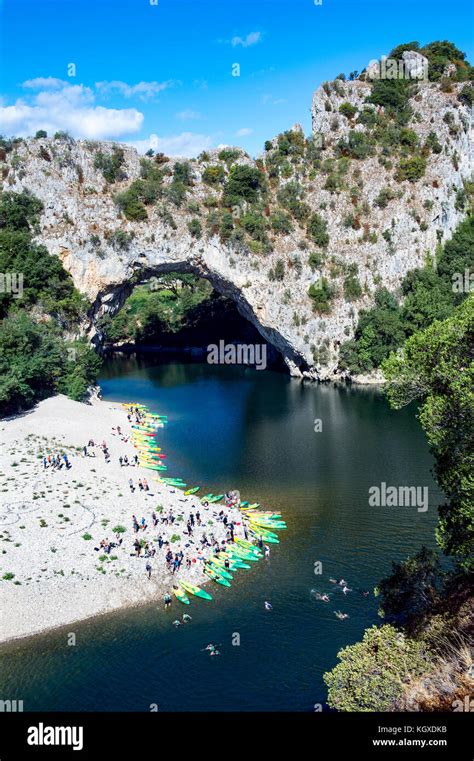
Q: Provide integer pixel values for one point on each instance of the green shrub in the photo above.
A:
(315, 260)
(226, 226)
(182, 173)
(213, 175)
(321, 294)
(229, 154)
(466, 96)
(411, 169)
(317, 230)
(290, 197)
(372, 673)
(385, 195)
(357, 145)
(131, 205)
(379, 332)
(281, 222)
(255, 224)
(347, 110)
(110, 164)
(278, 271)
(352, 288)
(243, 184)
(432, 143)
(194, 227)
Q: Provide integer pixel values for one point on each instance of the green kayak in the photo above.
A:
(219, 564)
(182, 596)
(193, 490)
(215, 498)
(196, 591)
(216, 577)
(240, 553)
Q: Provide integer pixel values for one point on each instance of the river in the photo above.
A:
(232, 427)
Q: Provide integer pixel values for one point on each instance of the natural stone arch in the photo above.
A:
(111, 299)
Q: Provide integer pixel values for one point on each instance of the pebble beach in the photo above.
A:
(53, 571)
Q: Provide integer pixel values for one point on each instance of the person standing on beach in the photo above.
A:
(130, 483)
(148, 570)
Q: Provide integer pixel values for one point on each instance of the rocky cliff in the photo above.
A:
(374, 218)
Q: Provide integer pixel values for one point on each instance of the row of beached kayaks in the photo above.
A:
(260, 524)
(240, 555)
(143, 437)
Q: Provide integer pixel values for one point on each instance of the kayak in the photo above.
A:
(215, 577)
(182, 596)
(251, 551)
(215, 498)
(240, 553)
(193, 490)
(222, 569)
(270, 524)
(235, 562)
(197, 591)
(207, 497)
(246, 544)
(269, 539)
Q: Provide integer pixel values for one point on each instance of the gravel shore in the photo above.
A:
(52, 520)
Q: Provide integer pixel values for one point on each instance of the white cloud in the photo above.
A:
(44, 83)
(187, 114)
(70, 108)
(244, 132)
(187, 144)
(251, 39)
(142, 90)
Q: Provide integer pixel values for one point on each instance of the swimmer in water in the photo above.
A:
(323, 597)
(176, 623)
(268, 606)
(341, 616)
(186, 617)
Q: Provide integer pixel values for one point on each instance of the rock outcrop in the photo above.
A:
(380, 241)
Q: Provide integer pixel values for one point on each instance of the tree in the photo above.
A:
(347, 110)
(412, 588)
(411, 168)
(41, 134)
(321, 294)
(379, 331)
(436, 367)
(371, 673)
(318, 230)
(244, 184)
(213, 174)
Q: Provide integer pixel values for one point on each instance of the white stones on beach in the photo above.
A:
(45, 515)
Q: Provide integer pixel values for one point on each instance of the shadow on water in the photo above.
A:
(232, 427)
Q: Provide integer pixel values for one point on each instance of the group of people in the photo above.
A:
(342, 584)
(125, 461)
(56, 461)
(142, 484)
(91, 445)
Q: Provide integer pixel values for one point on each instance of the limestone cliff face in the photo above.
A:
(80, 219)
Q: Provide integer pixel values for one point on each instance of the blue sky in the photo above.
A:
(163, 72)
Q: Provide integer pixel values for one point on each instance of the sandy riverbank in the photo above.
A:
(58, 577)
